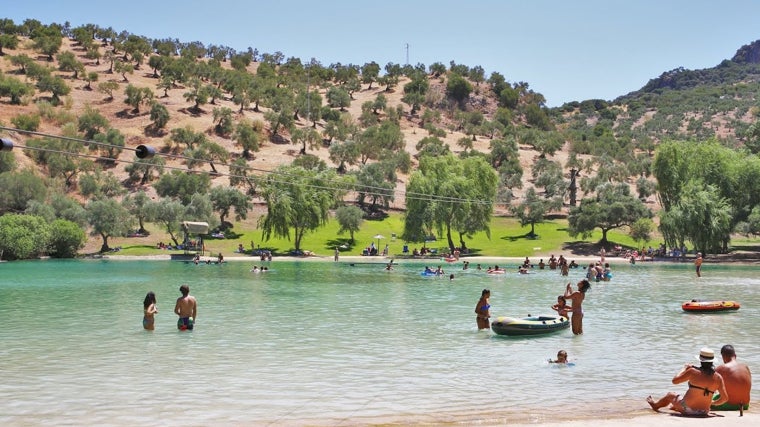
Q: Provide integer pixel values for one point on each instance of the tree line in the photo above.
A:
(305, 104)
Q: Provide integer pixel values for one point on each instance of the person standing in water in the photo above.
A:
(186, 309)
(483, 310)
(577, 297)
(698, 264)
(149, 311)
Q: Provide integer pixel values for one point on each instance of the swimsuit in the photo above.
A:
(704, 389)
(147, 322)
(484, 310)
(185, 323)
(690, 411)
(729, 407)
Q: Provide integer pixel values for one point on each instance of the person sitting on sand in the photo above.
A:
(561, 357)
(738, 380)
(703, 383)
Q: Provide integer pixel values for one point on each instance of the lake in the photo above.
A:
(346, 343)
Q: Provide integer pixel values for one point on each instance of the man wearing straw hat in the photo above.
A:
(703, 383)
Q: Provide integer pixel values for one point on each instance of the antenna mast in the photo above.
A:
(407, 54)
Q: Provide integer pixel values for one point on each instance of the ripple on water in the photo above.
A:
(323, 343)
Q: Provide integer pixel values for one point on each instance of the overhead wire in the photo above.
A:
(270, 175)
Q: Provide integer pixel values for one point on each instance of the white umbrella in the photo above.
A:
(378, 237)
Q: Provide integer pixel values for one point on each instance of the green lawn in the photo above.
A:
(508, 239)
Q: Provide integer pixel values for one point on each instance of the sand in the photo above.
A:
(662, 419)
(653, 419)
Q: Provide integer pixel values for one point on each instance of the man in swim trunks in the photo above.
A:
(186, 309)
(703, 383)
(738, 379)
(698, 264)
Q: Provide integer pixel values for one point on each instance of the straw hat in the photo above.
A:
(706, 355)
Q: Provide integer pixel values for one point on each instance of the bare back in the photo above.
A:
(738, 380)
(186, 306)
(702, 386)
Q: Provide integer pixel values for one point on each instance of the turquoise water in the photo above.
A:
(324, 343)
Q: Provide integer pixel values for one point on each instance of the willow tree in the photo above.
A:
(700, 216)
(299, 200)
(716, 176)
(448, 194)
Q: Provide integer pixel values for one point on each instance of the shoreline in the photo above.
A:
(583, 260)
(654, 419)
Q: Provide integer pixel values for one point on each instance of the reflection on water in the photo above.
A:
(330, 344)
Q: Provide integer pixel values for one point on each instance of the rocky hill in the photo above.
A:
(596, 136)
(274, 149)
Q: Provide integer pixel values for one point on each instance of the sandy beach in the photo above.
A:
(663, 419)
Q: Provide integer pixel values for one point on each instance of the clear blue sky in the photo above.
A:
(565, 50)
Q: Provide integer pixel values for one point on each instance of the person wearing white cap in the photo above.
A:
(703, 383)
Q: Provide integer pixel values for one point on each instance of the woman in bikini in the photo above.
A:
(149, 310)
(483, 310)
(577, 297)
(703, 383)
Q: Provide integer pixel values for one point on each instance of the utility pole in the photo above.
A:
(407, 54)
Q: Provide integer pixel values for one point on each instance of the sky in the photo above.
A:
(566, 50)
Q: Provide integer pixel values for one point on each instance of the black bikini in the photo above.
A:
(706, 391)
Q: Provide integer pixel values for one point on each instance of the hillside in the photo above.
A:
(464, 110)
(273, 151)
(718, 102)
